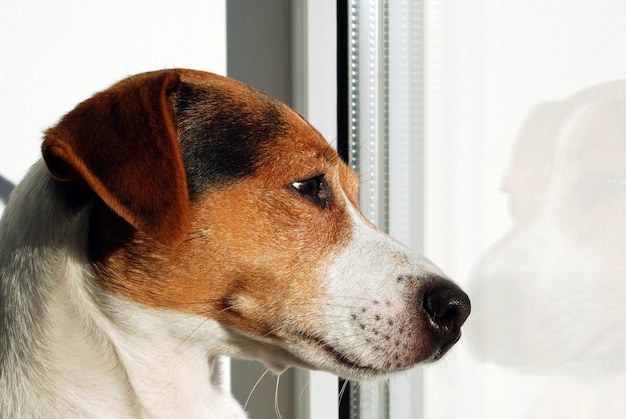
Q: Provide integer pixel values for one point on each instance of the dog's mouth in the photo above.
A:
(311, 350)
(360, 366)
(336, 355)
(345, 365)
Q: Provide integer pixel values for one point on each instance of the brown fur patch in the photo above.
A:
(255, 254)
(123, 143)
(222, 128)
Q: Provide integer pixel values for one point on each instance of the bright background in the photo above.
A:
(56, 54)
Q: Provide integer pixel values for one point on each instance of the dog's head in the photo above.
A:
(216, 200)
(558, 272)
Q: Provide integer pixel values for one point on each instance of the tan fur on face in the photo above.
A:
(255, 252)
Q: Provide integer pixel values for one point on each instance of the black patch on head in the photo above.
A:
(221, 134)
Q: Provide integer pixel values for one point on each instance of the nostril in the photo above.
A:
(448, 307)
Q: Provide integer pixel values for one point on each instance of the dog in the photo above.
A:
(181, 216)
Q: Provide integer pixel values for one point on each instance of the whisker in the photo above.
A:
(203, 322)
(276, 407)
(344, 386)
(254, 388)
(304, 388)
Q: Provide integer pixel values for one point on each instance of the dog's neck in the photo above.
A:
(71, 344)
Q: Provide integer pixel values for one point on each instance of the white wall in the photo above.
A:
(55, 54)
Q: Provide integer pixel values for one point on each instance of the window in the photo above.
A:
(491, 137)
(383, 131)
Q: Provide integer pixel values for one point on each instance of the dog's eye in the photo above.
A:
(315, 189)
(308, 187)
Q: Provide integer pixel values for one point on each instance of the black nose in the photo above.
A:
(447, 307)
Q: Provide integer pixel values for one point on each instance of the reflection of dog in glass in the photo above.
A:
(5, 190)
(550, 295)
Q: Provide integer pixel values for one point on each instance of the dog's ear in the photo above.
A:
(123, 143)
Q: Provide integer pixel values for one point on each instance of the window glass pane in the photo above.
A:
(491, 137)
(525, 141)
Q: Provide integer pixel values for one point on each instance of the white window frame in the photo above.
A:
(315, 91)
(395, 113)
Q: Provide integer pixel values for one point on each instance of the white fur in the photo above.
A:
(70, 359)
(377, 298)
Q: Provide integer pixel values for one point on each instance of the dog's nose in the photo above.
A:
(447, 307)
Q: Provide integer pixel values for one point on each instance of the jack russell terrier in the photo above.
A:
(180, 216)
